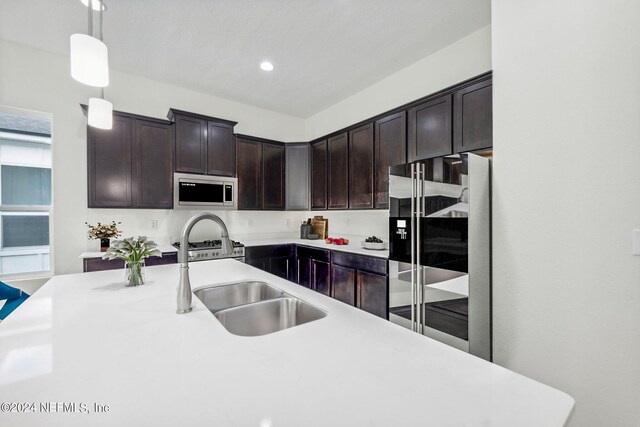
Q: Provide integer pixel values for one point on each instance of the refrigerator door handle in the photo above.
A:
(418, 215)
(413, 249)
(421, 213)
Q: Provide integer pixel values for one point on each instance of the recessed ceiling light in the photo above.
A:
(95, 4)
(266, 66)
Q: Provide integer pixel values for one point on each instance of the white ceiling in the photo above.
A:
(323, 50)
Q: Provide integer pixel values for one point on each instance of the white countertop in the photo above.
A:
(354, 245)
(85, 339)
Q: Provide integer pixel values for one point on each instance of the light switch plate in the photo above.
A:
(635, 239)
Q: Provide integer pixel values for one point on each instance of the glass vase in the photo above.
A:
(134, 273)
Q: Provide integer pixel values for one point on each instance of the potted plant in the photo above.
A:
(133, 252)
(103, 232)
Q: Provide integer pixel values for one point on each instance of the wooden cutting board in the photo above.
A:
(320, 226)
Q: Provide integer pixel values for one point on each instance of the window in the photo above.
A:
(25, 192)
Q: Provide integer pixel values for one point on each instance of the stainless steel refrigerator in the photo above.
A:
(440, 250)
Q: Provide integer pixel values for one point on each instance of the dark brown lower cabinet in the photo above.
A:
(314, 274)
(361, 281)
(372, 293)
(99, 264)
(358, 280)
(314, 269)
(344, 284)
(278, 260)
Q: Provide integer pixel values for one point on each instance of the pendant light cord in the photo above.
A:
(90, 16)
(101, 8)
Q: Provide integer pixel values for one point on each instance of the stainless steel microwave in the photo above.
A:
(204, 192)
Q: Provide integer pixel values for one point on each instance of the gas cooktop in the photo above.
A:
(211, 249)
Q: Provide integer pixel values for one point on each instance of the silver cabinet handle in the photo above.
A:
(298, 259)
(314, 282)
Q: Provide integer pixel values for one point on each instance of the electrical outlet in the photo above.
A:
(154, 224)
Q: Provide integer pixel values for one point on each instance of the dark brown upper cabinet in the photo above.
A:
(153, 165)
(273, 176)
(473, 108)
(361, 167)
(221, 149)
(430, 129)
(204, 145)
(338, 172)
(319, 174)
(261, 174)
(131, 165)
(249, 159)
(109, 164)
(390, 149)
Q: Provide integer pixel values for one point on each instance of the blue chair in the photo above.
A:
(14, 298)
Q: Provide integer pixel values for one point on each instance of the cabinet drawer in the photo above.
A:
(360, 262)
(268, 251)
(317, 254)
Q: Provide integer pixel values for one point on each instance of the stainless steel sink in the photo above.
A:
(266, 317)
(217, 298)
(455, 214)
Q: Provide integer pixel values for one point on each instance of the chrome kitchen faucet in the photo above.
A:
(184, 286)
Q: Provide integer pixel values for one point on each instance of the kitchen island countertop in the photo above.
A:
(88, 340)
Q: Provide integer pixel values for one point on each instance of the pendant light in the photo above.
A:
(89, 55)
(100, 113)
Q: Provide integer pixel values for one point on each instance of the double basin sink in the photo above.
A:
(253, 308)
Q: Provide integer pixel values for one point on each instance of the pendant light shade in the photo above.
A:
(100, 113)
(89, 60)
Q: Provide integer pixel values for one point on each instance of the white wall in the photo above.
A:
(36, 80)
(567, 144)
(466, 58)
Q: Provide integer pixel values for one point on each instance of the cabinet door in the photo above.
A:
(390, 149)
(273, 170)
(191, 145)
(473, 117)
(319, 175)
(305, 272)
(373, 293)
(280, 266)
(344, 284)
(221, 149)
(321, 277)
(249, 174)
(297, 176)
(338, 172)
(153, 163)
(109, 164)
(430, 129)
(361, 167)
